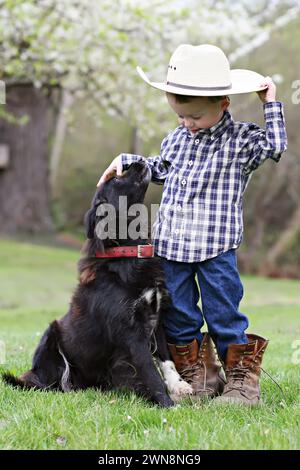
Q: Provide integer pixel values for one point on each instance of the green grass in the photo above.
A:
(35, 287)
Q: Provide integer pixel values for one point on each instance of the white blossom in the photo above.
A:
(93, 47)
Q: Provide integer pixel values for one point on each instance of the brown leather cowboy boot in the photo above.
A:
(199, 366)
(243, 367)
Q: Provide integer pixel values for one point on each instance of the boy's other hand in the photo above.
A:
(114, 169)
(269, 94)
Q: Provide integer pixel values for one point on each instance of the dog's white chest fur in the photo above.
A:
(153, 296)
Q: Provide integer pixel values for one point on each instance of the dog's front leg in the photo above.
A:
(176, 386)
(142, 360)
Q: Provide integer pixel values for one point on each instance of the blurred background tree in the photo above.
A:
(69, 67)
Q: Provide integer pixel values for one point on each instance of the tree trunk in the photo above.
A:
(59, 138)
(282, 245)
(135, 143)
(24, 188)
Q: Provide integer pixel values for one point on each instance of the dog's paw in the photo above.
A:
(180, 390)
(168, 402)
(177, 387)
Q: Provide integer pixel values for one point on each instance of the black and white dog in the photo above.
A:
(113, 330)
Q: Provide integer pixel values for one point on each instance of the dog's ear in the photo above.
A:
(90, 221)
(99, 199)
(90, 216)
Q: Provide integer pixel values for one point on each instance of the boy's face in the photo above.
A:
(199, 112)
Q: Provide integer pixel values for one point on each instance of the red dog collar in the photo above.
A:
(138, 251)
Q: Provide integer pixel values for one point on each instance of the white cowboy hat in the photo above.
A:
(205, 71)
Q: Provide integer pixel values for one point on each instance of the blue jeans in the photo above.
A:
(221, 292)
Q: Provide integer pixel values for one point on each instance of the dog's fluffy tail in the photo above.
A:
(11, 379)
(50, 368)
(25, 381)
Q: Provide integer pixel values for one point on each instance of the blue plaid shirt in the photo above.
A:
(205, 176)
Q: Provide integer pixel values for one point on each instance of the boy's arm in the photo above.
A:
(261, 144)
(158, 167)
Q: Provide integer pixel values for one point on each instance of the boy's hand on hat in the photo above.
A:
(268, 94)
(114, 169)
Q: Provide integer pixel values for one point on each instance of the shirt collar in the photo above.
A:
(215, 130)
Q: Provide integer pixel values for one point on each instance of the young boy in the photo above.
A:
(205, 165)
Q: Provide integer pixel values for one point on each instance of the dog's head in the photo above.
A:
(112, 201)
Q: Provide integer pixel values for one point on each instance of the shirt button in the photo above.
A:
(191, 162)
(177, 231)
(183, 182)
(197, 141)
(179, 208)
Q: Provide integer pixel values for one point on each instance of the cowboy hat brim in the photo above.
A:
(242, 81)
